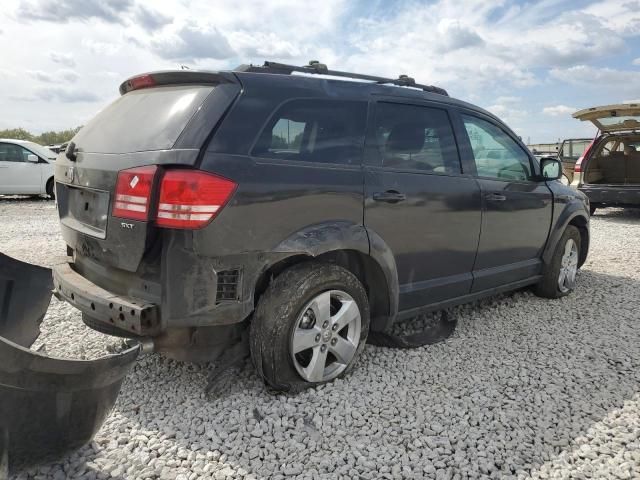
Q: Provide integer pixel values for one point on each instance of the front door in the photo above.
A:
(17, 175)
(420, 203)
(516, 205)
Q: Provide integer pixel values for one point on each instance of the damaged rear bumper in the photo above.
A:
(48, 406)
(124, 313)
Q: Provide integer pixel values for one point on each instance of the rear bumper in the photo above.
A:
(48, 406)
(132, 315)
(612, 195)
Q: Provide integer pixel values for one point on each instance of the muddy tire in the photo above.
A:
(310, 326)
(559, 274)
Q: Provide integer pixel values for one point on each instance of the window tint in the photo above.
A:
(496, 154)
(416, 138)
(13, 153)
(315, 131)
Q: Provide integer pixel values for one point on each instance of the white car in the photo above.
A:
(26, 168)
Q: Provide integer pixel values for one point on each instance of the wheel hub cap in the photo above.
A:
(568, 266)
(322, 348)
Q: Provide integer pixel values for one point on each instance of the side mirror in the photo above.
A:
(32, 158)
(551, 168)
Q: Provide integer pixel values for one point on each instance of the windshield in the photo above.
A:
(142, 120)
(41, 151)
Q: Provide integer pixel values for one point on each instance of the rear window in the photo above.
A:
(147, 119)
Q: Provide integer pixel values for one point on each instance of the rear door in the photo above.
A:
(17, 175)
(419, 200)
(516, 206)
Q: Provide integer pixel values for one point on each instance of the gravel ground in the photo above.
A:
(525, 388)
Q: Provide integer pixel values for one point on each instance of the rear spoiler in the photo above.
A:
(175, 77)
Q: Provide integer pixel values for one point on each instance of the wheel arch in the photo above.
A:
(49, 181)
(346, 245)
(577, 217)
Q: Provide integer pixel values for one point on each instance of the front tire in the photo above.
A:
(559, 275)
(310, 326)
(51, 192)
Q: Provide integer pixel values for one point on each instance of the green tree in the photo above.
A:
(45, 138)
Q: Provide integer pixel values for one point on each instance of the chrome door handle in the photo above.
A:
(390, 196)
(495, 197)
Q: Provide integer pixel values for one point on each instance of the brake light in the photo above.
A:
(578, 166)
(133, 193)
(143, 81)
(191, 198)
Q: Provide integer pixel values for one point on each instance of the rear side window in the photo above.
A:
(416, 138)
(317, 131)
(147, 119)
(496, 154)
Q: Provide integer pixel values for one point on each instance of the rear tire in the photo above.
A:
(310, 326)
(559, 275)
(51, 192)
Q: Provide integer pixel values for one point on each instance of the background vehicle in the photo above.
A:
(314, 209)
(609, 171)
(26, 168)
(570, 151)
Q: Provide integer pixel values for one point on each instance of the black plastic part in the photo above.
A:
(48, 406)
(316, 67)
(25, 293)
(435, 333)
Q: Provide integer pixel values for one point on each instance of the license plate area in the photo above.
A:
(83, 209)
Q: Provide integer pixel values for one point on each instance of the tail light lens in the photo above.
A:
(578, 166)
(133, 193)
(191, 198)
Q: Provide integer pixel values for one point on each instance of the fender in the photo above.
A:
(327, 237)
(573, 209)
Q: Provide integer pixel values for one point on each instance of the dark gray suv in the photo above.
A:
(302, 211)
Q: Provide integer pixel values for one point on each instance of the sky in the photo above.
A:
(532, 63)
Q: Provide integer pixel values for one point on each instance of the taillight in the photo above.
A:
(133, 193)
(191, 198)
(578, 166)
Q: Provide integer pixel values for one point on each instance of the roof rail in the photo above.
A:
(315, 67)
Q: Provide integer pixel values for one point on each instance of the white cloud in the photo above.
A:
(59, 76)
(558, 110)
(619, 81)
(65, 59)
(489, 52)
(631, 101)
(636, 61)
(192, 42)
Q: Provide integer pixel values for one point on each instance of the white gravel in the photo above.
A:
(526, 388)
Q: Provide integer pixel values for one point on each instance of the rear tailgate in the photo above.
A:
(165, 123)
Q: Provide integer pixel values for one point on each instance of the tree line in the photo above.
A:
(45, 138)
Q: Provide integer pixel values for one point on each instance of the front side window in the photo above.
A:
(416, 138)
(13, 153)
(317, 131)
(496, 154)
